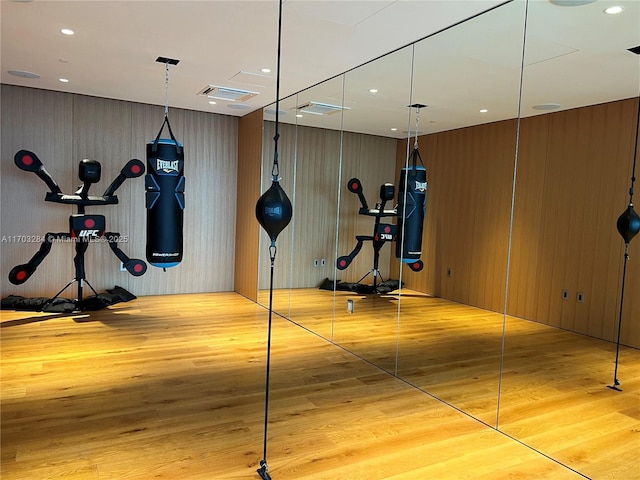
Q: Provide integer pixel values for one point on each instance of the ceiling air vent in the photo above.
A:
(226, 93)
(317, 108)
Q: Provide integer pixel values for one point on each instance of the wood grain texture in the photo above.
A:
(41, 122)
(316, 160)
(63, 129)
(371, 160)
(469, 173)
(248, 191)
(102, 132)
(573, 175)
(173, 387)
(568, 197)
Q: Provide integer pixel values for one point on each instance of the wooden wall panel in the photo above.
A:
(210, 218)
(102, 132)
(68, 128)
(210, 147)
(469, 174)
(528, 213)
(572, 183)
(247, 193)
(41, 122)
(316, 205)
(318, 179)
(573, 176)
(630, 329)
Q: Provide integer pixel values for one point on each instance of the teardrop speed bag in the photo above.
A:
(411, 213)
(164, 198)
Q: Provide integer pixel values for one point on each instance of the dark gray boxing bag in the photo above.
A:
(164, 198)
(411, 213)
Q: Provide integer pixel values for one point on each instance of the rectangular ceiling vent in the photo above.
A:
(317, 108)
(226, 93)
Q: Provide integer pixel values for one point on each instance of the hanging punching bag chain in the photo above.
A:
(275, 169)
(166, 89)
(415, 143)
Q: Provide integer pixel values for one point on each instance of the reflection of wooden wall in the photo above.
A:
(65, 128)
(319, 179)
(469, 174)
(572, 183)
(248, 192)
(370, 159)
(574, 171)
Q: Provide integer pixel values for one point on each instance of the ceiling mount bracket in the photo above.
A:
(170, 61)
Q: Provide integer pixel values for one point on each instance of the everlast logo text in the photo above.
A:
(421, 186)
(273, 211)
(167, 166)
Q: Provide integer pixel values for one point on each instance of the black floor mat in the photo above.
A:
(66, 305)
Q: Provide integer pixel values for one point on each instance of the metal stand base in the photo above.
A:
(263, 471)
(78, 301)
(615, 387)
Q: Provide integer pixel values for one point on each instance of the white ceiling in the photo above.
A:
(574, 55)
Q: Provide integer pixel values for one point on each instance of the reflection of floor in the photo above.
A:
(551, 395)
(173, 387)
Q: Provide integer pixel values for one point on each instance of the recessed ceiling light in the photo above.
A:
(239, 106)
(265, 70)
(373, 90)
(67, 31)
(211, 102)
(613, 10)
(23, 74)
(571, 3)
(299, 115)
(483, 110)
(394, 129)
(547, 106)
(64, 80)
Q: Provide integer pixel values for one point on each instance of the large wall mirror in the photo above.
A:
(577, 138)
(528, 150)
(452, 322)
(369, 158)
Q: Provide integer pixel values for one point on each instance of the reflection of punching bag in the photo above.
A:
(411, 211)
(164, 184)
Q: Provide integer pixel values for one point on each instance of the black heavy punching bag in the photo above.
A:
(164, 184)
(411, 212)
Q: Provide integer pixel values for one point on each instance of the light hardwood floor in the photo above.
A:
(173, 387)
